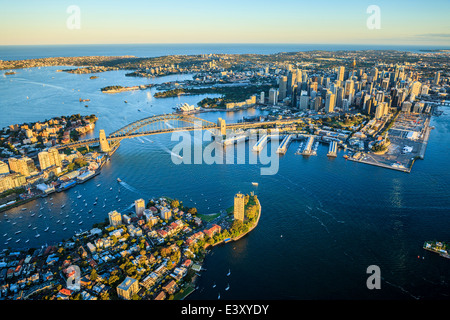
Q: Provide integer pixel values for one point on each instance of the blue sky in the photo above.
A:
(232, 21)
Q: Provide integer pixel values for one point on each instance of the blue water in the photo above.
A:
(324, 221)
(17, 52)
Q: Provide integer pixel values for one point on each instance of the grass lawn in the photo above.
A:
(208, 217)
(186, 291)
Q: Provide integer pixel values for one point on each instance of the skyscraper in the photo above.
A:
(282, 88)
(437, 77)
(239, 204)
(330, 102)
(340, 73)
(273, 96)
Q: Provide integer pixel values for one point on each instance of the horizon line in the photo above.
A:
(225, 43)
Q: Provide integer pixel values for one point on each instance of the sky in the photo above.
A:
(409, 22)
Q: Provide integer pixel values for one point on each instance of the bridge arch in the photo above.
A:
(154, 121)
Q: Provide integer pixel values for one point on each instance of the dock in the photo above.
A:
(260, 144)
(332, 150)
(307, 151)
(284, 144)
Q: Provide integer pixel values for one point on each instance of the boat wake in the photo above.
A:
(320, 221)
(334, 218)
(128, 187)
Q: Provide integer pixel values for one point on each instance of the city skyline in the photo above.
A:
(288, 21)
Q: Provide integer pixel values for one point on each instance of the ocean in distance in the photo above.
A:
(324, 221)
(19, 52)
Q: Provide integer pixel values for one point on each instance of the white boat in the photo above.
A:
(255, 183)
(46, 229)
(229, 272)
(228, 287)
(79, 196)
(214, 285)
(64, 229)
(37, 235)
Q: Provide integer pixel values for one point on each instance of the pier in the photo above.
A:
(284, 144)
(307, 151)
(261, 143)
(332, 150)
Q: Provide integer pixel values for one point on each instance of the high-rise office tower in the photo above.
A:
(330, 102)
(239, 206)
(282, 88)
(437, 77)
(273, 96)
(348, 87)
(340, 73)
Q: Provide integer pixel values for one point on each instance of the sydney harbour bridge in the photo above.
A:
(168, 123)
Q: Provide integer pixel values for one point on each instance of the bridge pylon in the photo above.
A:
(104, 144)
(222, 126)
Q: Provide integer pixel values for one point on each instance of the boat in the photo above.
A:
(229, 272)
(214, 285)
(23, 209)
(63, 206)
(345, 156)
(218, 296)
(64, 229)
(255, 183)
(27, 240)
(228, 287)
(46, 229)
(17, 232)
(99, 185)
(37, 235)
(118, 180)
(79, 196)
(17, 240)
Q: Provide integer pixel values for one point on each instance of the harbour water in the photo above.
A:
(324, 220)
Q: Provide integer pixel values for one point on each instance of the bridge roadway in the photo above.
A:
(133, 130)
